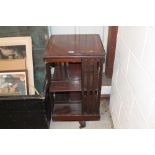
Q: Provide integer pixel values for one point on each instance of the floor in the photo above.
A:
(104, 123)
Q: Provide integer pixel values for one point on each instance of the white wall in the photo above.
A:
(63, 30)
(132, 102)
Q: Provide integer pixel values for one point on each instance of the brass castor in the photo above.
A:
(82, 124)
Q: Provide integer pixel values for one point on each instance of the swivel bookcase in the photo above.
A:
(74, 65)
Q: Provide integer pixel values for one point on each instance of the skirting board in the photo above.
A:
(105, 90)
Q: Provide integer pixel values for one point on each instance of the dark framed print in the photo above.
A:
(13, 83)
(12, 52)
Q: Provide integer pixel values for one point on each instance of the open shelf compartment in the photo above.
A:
(66, 77)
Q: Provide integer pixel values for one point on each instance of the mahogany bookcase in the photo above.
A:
(74, 65)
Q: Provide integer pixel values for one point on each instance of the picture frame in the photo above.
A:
(13, 83)
(17, 60)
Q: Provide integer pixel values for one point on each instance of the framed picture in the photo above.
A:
(13, 83)
(12, 52)
(16, 54)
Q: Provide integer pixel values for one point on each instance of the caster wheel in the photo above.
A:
(82, 124)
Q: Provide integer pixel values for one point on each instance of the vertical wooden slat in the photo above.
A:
(94, 86)
(82, 86)
(88, 85)
(52, 99)
(49, 102)
(58, 70)
(66, 70)
(61, 70)
(99, 84)
(48, 75)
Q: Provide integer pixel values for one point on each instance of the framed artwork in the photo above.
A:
(13, 83)
(16, 54)
(12, 52)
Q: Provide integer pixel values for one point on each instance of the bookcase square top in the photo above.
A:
(74, 46)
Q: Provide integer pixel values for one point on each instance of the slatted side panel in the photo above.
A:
(91, 84)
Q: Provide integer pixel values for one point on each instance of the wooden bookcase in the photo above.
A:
(74, 66)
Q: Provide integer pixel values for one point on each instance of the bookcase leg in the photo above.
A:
(82, 124)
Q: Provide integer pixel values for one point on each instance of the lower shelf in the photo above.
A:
(71, 112)
(67, 109)
(76, 118)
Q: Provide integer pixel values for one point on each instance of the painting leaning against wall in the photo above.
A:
(13, 83)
